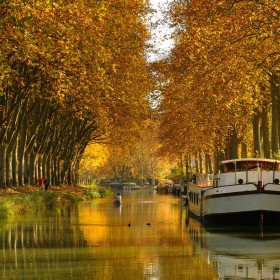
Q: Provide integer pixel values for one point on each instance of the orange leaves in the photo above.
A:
(86, 55)
(223, 52)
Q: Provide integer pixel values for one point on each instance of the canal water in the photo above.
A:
(93, 240)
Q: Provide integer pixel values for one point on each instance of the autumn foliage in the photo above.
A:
(71, 72)
(221, 80)
(75, 72)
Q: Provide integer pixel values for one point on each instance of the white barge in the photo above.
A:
(245, 189)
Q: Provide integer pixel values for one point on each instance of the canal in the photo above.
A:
(93, 240)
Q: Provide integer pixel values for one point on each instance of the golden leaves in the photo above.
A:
(89, 54)
(223, 50)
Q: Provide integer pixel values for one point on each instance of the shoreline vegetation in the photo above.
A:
(28, 200)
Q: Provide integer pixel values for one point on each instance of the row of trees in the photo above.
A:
(71, 72)
(219, 90)
(134, 163)
(221, 82)
(75, 72)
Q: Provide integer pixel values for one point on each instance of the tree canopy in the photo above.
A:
(219, 75)
(72, 72)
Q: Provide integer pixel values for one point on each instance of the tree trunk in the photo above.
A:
(265, 129)
(70, 174)
(3, 161)
(45, 172)
(233, 144)
(200, 164)
(196, 165)
(15, 167)
(275, 114)
(208, 161)
(49, 167)
(278, 110)
(219, 156)
(256, 135)
(40, 172)
(56, 172)
(244, 150)
(188, 167)
(26, 169)
(9, 168)
(206, 158)
(33, 175)
(21, 145)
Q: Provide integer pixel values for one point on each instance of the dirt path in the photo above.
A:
(29, 189)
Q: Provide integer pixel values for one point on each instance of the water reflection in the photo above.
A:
(238, 253)
(35, 247)
(93, 241)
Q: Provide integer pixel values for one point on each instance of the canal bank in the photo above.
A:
(21, 201)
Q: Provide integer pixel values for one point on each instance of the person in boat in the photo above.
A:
(118, 198)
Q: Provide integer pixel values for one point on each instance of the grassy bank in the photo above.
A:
(27, 201)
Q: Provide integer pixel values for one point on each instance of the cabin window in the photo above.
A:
(241, 166)
(269, 166)
(275, 166)
(229, 167)
(253, 165)
(250, 166)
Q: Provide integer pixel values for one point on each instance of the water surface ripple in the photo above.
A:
(149, 236)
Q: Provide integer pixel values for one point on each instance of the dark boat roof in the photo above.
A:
(250, 159)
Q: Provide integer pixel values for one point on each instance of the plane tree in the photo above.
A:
(65, 80)
(218, 75)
